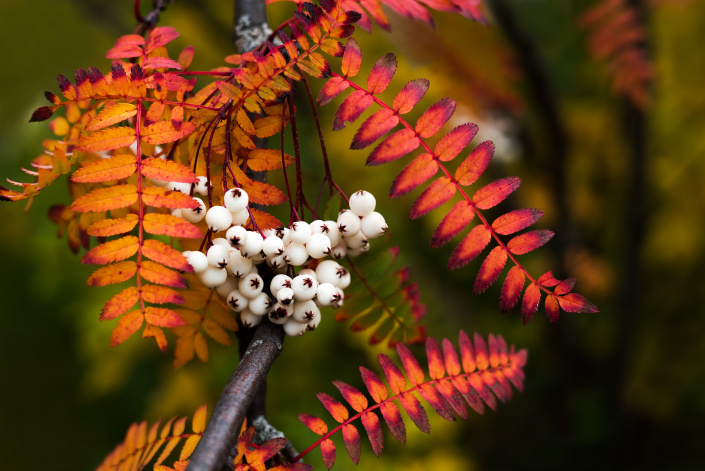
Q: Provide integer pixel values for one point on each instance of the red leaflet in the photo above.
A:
(165, 224)
(160, 36)
(411, 366)
(481, 388)
(529, 241)
(496, 192)
(573, 302)
(374, 385)
(437, 401)
(109, 227)
(418, 171)
(490, 269)
(374, 127)
(334, 407)
(452, 397)
(548, 280)
(331, 89)
(471, 246)
(432, 197)
(167, 170)
(410, 95)
(111, 251)
(382, 73)
(511, 289)
(157, 197)
(392, 416)
(530, 303)
(552, 308)
(351, 437)
(114, 168)
(436, 368)
(316, 424)
(394, 377)
(454, 142)
(352, 58)
(159, 274)
(516, 220)
(397, 145)
(161, 295)
(450, 357)
(355, 398)
(467, 352)
(162, 317)
(435, 117)
(565, 286)
(374, 431)
(111, 274)
(166, 255)
(328, 453)
(474, 164)
(416, 412)
(481, 355)
(120, 303)
(455, 221)
(104, 199)
(127, 325)
(351, 108)
(161, 63)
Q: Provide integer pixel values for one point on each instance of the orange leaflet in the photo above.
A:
(435, 117)
(161, 63)
(490, 269)
(374, 385)
(265, 220)
(316, 424)
(511, 289)
(351, 108)
(397, 145)
(437, 401)
(160, 36)
(114, 168)
(162, 198)
(162, 317)
(161, 295)
(418, 171)
(158, 335)
(436, 368)
(351, 438)
(167, 170)
(111, 274)
(335, 408)
(565, 286)
(530, 302)
(394, 377)
(474, 164)
(263, 193)
(268, 126)
(111, 115)
(411, 365)
(374, 431)
(163, 132)
(104, 199)
(162, 253)
(455, 221)
(416, 412)
(392, 416)
(481, 353)
(111, 251)
(410, 95)
(374, 127)
(109, 227)
(450, 356)
(127, 325)
(529, 241)
(331, 89)
(352, 395)
(432, 197)
(455, 141)
(573, 302)
(471, 246)
(165, 224)
(382, 73)
(261, 160)
(161, 275)
(216, 332)
(352, 58)
(491, 195)
(552, 308)
(517, 220)
(120, 303)
(106, 139)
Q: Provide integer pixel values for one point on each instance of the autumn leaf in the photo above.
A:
(113, 168)
(261, 160)
(111, 115)
(167, 170)
(104, 199)
(106, 139)
(163, 132)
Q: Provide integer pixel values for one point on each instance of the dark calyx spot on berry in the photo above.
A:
(341, 272)
(336, 297)
(327, 251)
(341, 228)
(233, 302)
(287, 284)
(235, 240)
(254, 283)
(308, 282)
(286, 301)
(275, 264)
(279, 231)
(278, 313)
(308, 315)
(198, 210)
(237, 192)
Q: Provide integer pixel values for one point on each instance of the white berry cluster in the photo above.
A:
(230, 263)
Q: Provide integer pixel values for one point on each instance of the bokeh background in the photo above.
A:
(622, 186)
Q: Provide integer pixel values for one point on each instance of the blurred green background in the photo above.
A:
(622, 389)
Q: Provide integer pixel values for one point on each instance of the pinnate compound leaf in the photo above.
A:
(455, 221)
(165, 224)
(374, 127)
(382, 73)
(111, 251)
(127, 325)
(475, 164)
(435, 117)
(106, 139)
(491, 195)
(114, 168)
(512, 288)
(410, 95)
(490, 269)
(417, 172)
(470, 247)
(111, 274)
(109, 227)
(163, 317)
(111, 115)
(167, 170)
(516, 220)
(104, 199)
(455, 141)
(120, 303)
(529, 241)
(163, 132)
(395, 146)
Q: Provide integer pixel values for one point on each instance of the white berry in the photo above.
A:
(338, 298)
(362, 203)
(235, 199)
(218, 256)
(293, 328)
(239, 266)
(338, 252)
(285, 296)
(348, 223)
(179, 186)
(278, 282)
(176, 212)
(373, 225)
(201, 186)
(308, 272)
(279, 313)
(197, 260)
(277, 262)
(315, 321)
(213, 277)
(304, 287)
(240, 218)
(194, 215)
(326, 294)
(318, 246)
(250, 319)
(295, 254)
(222, 241)
(251, 285)
(273, 246)
(237, 301)
(229, 285)
(260, 304)
(237, 236)
(333, 233)
(218, 218)
(253, 244)
(305, 311)
(356, 241)
(300, 232)
(327, 272)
